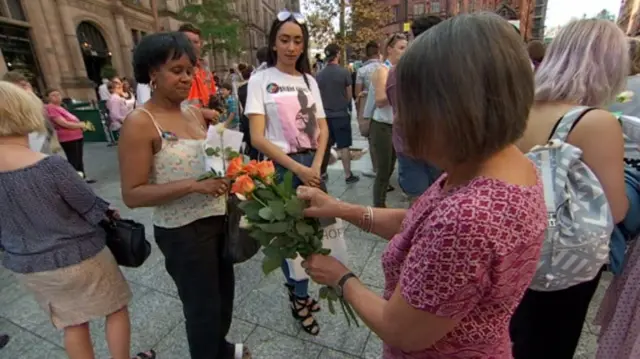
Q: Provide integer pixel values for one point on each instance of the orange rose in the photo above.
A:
(234, 168)
(265, 171)
(243, 185)
(251, 169)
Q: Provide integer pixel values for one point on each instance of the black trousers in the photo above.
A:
(548, 325)
(75, 153)
(196, 258)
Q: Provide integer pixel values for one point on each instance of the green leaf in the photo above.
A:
(262, 237)
(332, 294)
(266, 213)
(209, 151)
(324, 251)
(275, 228)
(269, 264)
(277, 209)
(251, 209)
(323, 292)
(287, 184)
(332, 309)
(272, 251)
(266, 194)
(303, 228)
(294, 207)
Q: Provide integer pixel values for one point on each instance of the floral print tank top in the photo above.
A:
(180, 159)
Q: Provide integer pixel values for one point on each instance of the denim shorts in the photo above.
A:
(340, 131)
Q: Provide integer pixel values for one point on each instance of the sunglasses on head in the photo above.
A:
(285, 15)
(395, 37)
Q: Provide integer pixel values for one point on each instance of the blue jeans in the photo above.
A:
(414, 177)
(300, 288)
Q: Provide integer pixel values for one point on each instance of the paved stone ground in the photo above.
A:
(262, 319)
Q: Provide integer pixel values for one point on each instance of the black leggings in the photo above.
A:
(548, 325)
(195, 256)
(74, 152)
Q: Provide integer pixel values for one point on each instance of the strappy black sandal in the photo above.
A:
(301, 312)
(312, 304)
(4, 340)
(146, 355)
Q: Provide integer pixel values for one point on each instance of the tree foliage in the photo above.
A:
(605, 15)
(368, 17)
(220, 26)
(364, 21)
(319, 20)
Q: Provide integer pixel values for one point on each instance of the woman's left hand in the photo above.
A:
(324, 270)
(113, 213)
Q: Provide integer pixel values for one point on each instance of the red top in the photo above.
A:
(468, 254)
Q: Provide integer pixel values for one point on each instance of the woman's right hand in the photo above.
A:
(213, 186)
(309, 177)
(321, 204)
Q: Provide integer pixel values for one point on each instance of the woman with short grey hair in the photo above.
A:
(459, 260)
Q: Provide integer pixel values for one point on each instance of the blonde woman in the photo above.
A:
(50, 230)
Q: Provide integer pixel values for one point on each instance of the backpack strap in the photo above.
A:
(568, 122)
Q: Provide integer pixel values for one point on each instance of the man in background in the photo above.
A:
(334, 82)
(103, 91)
(203, 86)
(262, 56)
(363, 80)
(414, 177)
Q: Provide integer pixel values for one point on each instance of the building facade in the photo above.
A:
(629, 17)
(522, 12)
(65, 44)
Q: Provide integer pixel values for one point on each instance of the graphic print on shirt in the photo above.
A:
(296, 110)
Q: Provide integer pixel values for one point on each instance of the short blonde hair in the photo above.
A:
(20, 113)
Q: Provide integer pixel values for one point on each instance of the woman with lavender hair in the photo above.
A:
(584, 68)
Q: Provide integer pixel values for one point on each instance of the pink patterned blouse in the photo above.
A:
(468, 254)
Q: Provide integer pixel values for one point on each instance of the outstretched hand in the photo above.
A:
(321, 204)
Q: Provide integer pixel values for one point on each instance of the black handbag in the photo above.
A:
(240, 245)
(126, 240)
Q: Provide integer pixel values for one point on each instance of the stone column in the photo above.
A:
(73, 46)
(126, 45)
(42, 41)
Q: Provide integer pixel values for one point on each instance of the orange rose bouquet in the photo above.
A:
(274, 216)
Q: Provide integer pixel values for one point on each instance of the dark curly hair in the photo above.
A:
(155, 50)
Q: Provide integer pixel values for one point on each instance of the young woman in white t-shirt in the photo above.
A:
(288, 125)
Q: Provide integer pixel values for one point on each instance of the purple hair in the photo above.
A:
(586, 64)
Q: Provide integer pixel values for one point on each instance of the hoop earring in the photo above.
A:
(152, 84)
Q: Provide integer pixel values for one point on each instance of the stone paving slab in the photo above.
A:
(261, 316)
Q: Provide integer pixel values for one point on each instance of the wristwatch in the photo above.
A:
(339, 288)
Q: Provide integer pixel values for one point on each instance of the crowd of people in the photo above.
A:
(463, 114)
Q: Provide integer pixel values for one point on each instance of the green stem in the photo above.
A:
(258, 199)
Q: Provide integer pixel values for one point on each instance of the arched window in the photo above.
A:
(91, 40)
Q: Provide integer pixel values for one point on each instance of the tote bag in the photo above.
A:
(333, 239)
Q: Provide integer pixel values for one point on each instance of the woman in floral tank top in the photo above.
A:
(161, 156)
(459, 260)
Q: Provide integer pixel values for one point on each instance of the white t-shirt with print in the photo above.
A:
(291, 108)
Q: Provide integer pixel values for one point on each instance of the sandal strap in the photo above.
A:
(151, 354)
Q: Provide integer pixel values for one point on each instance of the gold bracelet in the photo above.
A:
(367, 224)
